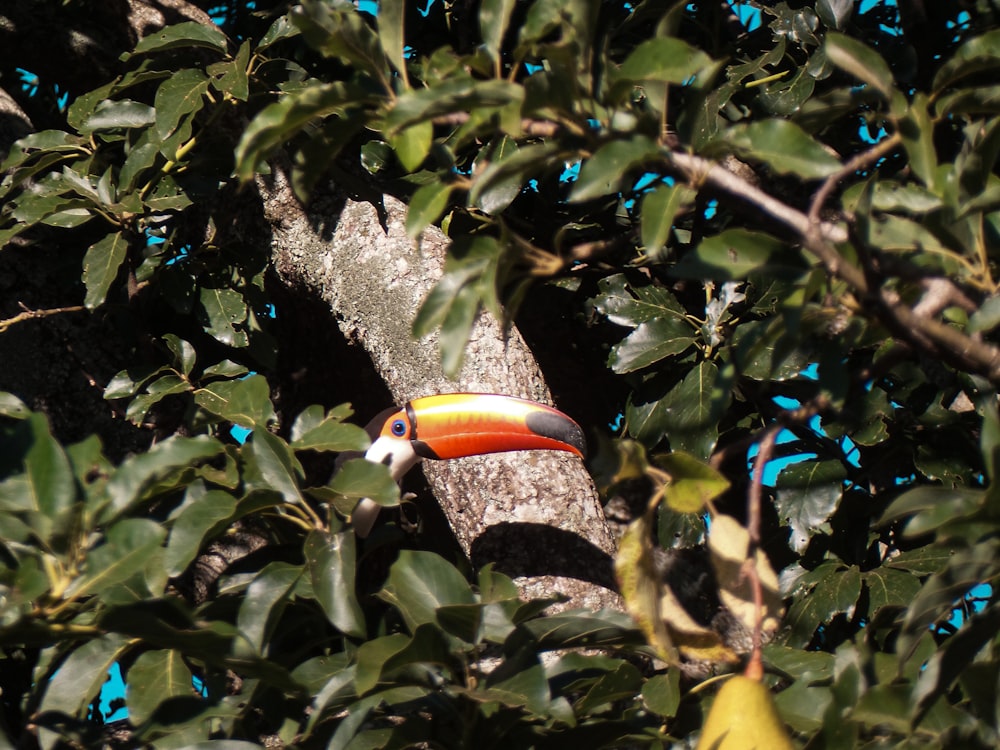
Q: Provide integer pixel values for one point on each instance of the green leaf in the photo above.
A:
(359, 478)
(629, 301)
(965, 569)
(129, 382)
(116, 115)
(527, 687)
(378, 659)
(277, 123)
(230, 76)
(372, 656)
(271, 465)
(889, 588)
(464, 94)
(917, 131)
(341, 32)
(494, 17)
(455, 300)
(390, 22)
(836, 592)
(426, 207)
(733, 254)
(13, 407)
(922, 560)
(246, 402)
(156, 391)
(51, 483)
(282, 28)
(412, 144)
(889, 195)
(661, 693)
(179, 95)
(933, 508)
(686, 413)
(503, 178)
(649, 343)
(265, 601)
(184, 354)
(139, 474)
(181, 35)
(80, 677)
(860, 61)
(806, 509)
(329, 433)
(658, 211)
(225, 309)
(979, 54)
(783, 146)
(692, 483)
(603, 173)
(622, 684)
(125, 549)
(205, 515)
(101, 265)
(576, 628)
(663, 59)
(156, 676)
(376, 156)
(419, 583)
(835, 13)
(330, 560)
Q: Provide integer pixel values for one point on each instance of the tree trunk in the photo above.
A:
(535, 515)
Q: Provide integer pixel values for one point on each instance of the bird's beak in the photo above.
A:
(455, 425)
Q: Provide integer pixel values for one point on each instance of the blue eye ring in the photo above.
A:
(398, 427)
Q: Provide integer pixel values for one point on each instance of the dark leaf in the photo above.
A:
(181, 35)
(419, 583)
(330, 560)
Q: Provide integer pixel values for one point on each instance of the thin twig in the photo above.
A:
(30, 314)
(754, 670)
(855, 163)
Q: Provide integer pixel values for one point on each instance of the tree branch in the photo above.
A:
(29, 314)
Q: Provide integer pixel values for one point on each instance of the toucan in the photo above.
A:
(454, 425)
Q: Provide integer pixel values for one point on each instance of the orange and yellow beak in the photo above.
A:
(454, 425)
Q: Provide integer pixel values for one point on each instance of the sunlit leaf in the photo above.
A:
(783, 146)
(359, 478)
(426, 207)
(246, 402)
(186, 34)
(127, 545)
(729, 551)
(692, 483)
(101, 265)
(179, 95)
(664, 59)
(860, 61)
(139, 473)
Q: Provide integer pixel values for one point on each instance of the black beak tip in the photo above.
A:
(558, 427)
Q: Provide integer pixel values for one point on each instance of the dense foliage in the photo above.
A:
(782, 226)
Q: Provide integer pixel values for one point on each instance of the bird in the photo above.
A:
(454, 425)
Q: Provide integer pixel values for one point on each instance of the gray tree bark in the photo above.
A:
(535, 515)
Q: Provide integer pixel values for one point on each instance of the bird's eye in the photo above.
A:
(398, 428)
